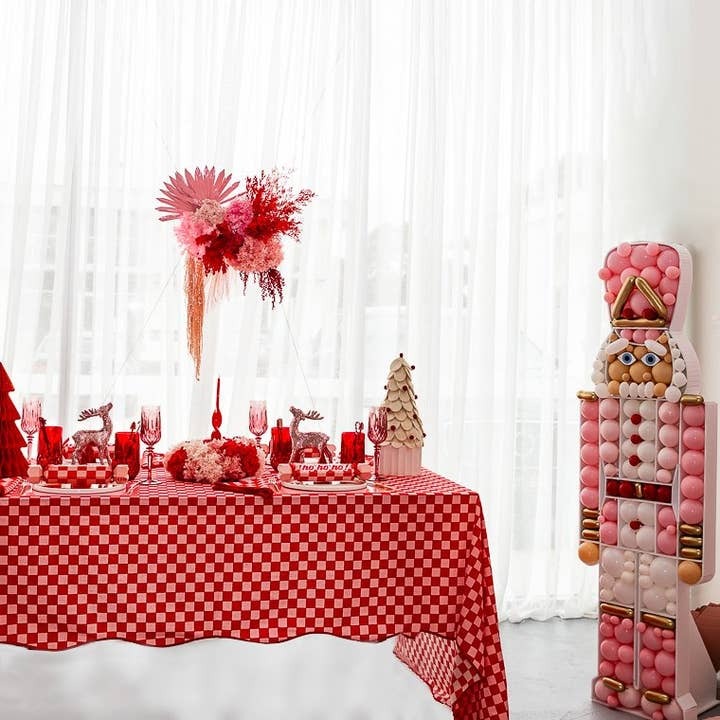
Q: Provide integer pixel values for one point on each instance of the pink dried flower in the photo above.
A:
(256, 256)
(186, 192)
(238, 216)
(192, 228)
(211, 211)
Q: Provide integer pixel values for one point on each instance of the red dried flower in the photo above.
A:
(175, 464)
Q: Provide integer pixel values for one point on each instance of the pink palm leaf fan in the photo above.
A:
(189, 195)
(221, 231)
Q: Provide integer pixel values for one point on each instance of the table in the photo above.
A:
(180, 561)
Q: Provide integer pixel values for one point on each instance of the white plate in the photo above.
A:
(323, 487)
(111, 489)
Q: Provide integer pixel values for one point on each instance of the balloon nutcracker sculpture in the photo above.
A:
(647, 490)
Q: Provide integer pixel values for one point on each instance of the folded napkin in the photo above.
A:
(249, 486)
(7, 486)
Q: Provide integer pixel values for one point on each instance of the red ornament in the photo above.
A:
(635, 439)
(649, 492)
(635, 419)
(634, 460)
(612, 487)
(626, 489)
(664, 494)
(649, 314)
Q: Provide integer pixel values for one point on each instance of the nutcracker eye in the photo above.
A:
(650, 359)
(626, 358)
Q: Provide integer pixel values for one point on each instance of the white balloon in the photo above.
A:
(647, 409)
(612, 561)
(670, 594)
(625, 592)
(646, 451)
(628, 537)
(646, 538)
(629, 471)
(654, 599)
(606, 594)
(630, 407)
(662, 572)
(673, 394)
(671, 608)
(646, 471)
(647, 430)
(607, 581)
(629, 428)
(628, 448)
(645, 582)
(646, 514)
(628, 510)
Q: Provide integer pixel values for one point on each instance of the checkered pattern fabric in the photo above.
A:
(181, 561)
(321, 472)
(69, 473)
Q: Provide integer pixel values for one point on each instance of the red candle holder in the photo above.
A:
(352, 446)
(127, 452)
(280, 445)
(50, 446)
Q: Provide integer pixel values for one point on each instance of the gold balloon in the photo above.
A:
(689, 572)
(589, 553)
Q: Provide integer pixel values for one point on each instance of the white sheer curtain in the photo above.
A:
(464, 156)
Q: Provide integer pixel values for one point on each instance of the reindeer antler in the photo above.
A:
(85, 414)
(313, 415)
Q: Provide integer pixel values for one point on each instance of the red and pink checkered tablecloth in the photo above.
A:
(180, 561)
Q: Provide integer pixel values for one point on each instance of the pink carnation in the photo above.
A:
(211, 211)
(258, 255)
(238, 216)
(190, 229)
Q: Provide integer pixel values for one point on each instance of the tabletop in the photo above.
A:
(180, 561)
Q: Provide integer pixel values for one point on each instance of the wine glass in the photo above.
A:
(377, 434)
(150, 434)
(258, 419)
(30, 422)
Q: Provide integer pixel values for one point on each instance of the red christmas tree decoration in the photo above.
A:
(12, 460)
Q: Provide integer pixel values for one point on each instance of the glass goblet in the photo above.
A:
(377, 434)
(30, 422)
(258, 419)
(150, 433)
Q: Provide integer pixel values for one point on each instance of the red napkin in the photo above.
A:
(6, 486)
(245, 486)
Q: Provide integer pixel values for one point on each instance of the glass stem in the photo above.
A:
(150, 463)
(377, 462)
(29, 446)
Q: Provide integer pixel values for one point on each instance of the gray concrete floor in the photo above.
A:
(549, 667)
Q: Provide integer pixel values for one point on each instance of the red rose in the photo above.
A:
(175, 464)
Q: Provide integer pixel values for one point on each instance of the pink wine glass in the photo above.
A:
(258, 419)
(30, 422)
(150, 433)
(377, 434)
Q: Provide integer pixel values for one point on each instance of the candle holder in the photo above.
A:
(127, 452)
(377, 434)
(352, 445)
(150, 433)
(280, 444)
(50, 445)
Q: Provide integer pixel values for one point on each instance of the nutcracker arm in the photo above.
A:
(589, 550)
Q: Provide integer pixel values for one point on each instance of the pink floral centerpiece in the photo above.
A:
(222, 231)
(211, 461)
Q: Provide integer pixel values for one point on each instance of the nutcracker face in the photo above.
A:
(647, 479)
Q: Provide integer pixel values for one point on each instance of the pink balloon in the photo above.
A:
(652, 275)
(613, 701)
(624, 633)
(589, 431)
(604, 273)
(650, 679)
(668, 685)
(609, 409)
(692, 487)
(666, 517)
(653, 249)
(664, 476)
(652, 638)
(589, 476)
(629, 697)
(669, 645)
(589, 410)
(606, 668)
(672, 710)
(649, 707)
(638, 336)
(628, 272)
(665, 663)
(606, 629)
(614, 284)
(624, 672)
(625, 654)
(665, 542)
(601, 691)
(589, 453)
(608, 452)
(616, 262)
(610, 429)
(668, 435)
(668, 285)
(693, 462)
(589, 498)
(609, 510)
(669, 299)
(624, 249)
(608, 533)
(640, 257)
(694, 438)
(667, 258)
(669, 412)
(694, 415)
(673, 272)
(639, 303)
(667, 458)
(609, 649)
(691, 511)
(647, 658)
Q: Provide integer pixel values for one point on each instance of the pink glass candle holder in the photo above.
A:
(352, 445)
(127, 452)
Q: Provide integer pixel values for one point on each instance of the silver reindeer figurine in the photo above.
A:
(303, 440)
(84, 439)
